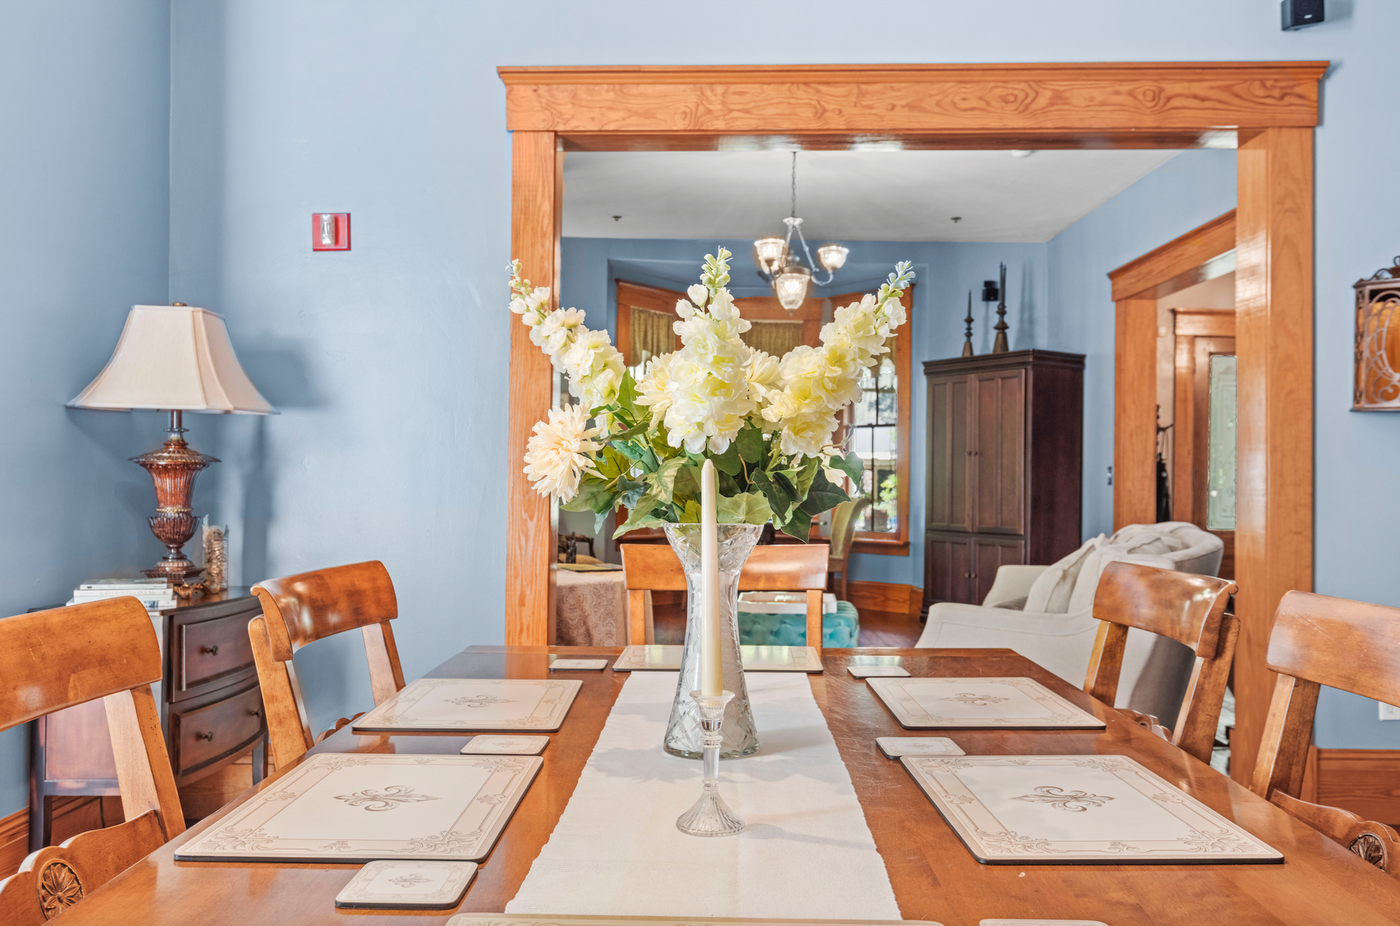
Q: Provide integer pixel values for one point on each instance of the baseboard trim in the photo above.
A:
(1364, 781)
(884, 596)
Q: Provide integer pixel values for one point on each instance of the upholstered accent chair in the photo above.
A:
(844, 518)
(1045, 613)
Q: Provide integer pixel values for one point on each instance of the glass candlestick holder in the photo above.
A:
(711, 816)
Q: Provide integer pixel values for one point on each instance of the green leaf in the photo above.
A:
(643, 515)
(687, 478)
(663, 481)
(728, 485)
(823, 496)
(800, 526)
(747, 508)
(729, 462)
(750, 444)
(691, 514)
(851, 464)
(780, 499)
(627, 394)
(809, 470)
(629, 492)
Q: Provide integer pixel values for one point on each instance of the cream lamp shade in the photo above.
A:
(174, 358)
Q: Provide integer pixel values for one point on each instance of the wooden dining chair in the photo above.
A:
(51, 660)
(310, 606)
(783, 567)
(1189, 609)
(1318, 641)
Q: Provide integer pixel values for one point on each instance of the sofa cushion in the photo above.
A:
(1051, 591)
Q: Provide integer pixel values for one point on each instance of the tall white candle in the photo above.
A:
(711, 662)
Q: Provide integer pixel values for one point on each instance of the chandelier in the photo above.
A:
(778, 264)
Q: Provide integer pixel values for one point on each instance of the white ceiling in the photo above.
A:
(877, 195)
(1218, 293)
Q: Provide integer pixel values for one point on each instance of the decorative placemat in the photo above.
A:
(488, 745)
(362, 807)
(457, 705)
(420, 885)
(1019, 810)
(1013, 703)
(878, 671)
(667, 658)
(577, 665)
(539, 919)
(895, 746)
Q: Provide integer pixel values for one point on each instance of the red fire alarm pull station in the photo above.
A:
(330, 231)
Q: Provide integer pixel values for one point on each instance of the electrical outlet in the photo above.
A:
(1389, 711)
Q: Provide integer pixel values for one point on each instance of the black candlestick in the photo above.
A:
(1000, 346)
(967, 344)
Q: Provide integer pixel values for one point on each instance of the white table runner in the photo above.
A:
(807, 851)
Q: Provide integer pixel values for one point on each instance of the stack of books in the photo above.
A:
(154, 594)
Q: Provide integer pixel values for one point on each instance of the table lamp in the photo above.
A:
(173, 358)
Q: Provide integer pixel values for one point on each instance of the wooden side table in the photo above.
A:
(210, 709)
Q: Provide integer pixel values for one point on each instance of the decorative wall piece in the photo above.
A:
(1019, 810)
(667, 658)
(361, 807)
(457, 705)
(1016, 703)
(1377, 383)
(1001, 346)
(967, 338)
(390, 885)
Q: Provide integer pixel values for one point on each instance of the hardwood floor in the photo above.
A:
(877, 628)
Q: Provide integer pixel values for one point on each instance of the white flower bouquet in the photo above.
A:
(767, 423)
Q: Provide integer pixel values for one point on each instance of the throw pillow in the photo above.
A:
(1051, 591)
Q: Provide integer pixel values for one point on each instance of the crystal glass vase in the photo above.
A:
(684, 736)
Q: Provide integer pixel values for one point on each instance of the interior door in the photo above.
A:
(949, 500)
(998, 451)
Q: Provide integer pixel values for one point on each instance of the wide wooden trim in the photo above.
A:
(884, 596)
(1134, 413)
(1204, 323)
(1363, 781)
(537, 191)
(1145, 277)
(890, 99)
(1274, 343)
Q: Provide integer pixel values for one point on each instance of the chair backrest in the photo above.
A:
(782, 567)
(844, 518)
(51, 660)
(1316, 641)
(310, 606)
(1187, 608)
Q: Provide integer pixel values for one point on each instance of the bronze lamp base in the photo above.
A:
(173, 469)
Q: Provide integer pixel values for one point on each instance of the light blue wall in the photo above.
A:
(83, 236)
(393, 441)
(1189, 190)
(945, 272)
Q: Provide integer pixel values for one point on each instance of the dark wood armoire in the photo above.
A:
(1005, 467)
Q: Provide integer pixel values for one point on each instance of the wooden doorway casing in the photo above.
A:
(1268, 110)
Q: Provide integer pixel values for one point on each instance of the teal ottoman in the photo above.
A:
(840, 629)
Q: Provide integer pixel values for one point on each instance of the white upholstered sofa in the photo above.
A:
(1045, 613)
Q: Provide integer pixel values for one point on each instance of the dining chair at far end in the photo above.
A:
(844, 518)
(301, 609)
(56, 659)
(1350, 645)
(786, 567)
(1184, 607)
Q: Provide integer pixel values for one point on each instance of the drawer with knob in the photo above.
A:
(206, 734)
(211, 653)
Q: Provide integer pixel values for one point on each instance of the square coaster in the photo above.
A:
(387, 885)
(1042, 923)
(578, 665)
(505, 746)
(878, 671)
(895, 746)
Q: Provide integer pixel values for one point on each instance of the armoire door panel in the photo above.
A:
(989, 555)
(948, 569)
(949, 500)
(999, 452)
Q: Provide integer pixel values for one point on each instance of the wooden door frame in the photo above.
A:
(1268, 110)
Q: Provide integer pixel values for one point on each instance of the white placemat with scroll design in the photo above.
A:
(360, 807)
(1013, 703)
(457, 705)
(1019, 810)
(807, 851)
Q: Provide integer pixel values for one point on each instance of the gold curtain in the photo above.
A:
(773, 337)
(650, 334)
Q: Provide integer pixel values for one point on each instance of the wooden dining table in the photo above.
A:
(933, 874)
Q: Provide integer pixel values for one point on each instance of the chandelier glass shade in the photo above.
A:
(778, 261)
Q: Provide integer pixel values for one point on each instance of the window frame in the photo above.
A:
(896, 543)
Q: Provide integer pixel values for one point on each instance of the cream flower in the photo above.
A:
(594, 367)
(558, 452)
(655, 388)
(555, 334)
(698, 294)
